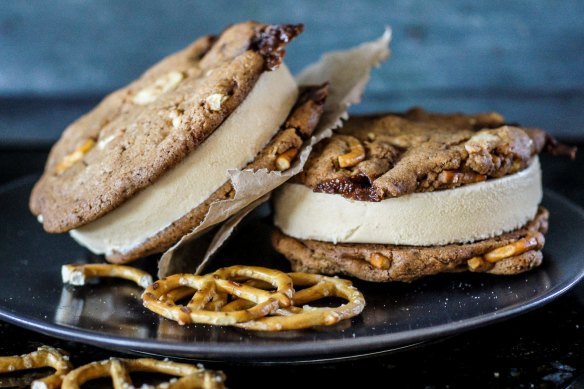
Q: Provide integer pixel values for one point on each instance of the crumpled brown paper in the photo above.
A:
(348, 73)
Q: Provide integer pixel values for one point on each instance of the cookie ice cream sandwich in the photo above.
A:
(138, 172)
(396, 197)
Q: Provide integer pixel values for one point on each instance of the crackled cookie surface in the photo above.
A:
(138, 133)
(378, 157)
(395, 197)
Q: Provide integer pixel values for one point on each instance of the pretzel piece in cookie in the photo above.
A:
(77, 274)
(44, 356)
(534, 240)
(355, 155)
(119, 369)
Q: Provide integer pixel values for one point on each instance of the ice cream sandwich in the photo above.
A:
(141, 170)
(395, 197)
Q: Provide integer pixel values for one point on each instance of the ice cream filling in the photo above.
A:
(465, 214)
(231, 146)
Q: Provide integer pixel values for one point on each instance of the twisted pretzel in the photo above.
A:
(120, 369)
(44, 356)
(77, 274)
(318, 287)
(257, 306)
(161, 296)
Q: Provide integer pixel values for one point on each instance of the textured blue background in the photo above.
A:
(524, 59)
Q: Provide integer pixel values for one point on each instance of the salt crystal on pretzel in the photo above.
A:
(44, 356)
(77, 274)
(119, 370)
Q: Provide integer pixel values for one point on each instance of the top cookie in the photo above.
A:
(390, 155)
(137, 133)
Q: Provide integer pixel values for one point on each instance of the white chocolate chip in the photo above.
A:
(162, 85)
(176, 118)
(103, 142)
(214, 101)
(481, 141)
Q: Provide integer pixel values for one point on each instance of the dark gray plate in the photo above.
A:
(109, 314)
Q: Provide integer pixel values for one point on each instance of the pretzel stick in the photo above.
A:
(119, 369)
(531, 241)
(77, 274)
(284, 160)
(44, 356)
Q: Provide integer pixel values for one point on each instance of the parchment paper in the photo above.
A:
(348, 72)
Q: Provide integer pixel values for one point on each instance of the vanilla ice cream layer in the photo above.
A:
(231, 146)
(465, 214)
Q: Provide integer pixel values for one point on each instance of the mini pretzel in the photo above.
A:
(355, 155)
(119, 370)
(284, 160)
(318, 286)
(77, 274)
(44, 357)
(160, 297)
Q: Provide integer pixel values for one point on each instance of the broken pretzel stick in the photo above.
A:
(456, 177)
(77, 274)
(284, 160)
(531, 241)
(44, 356)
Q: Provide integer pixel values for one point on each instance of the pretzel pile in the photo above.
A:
(187, 376)
(254, 298)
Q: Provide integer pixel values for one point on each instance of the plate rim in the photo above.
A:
(293, 349)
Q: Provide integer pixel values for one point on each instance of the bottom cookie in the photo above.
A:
(510, 253)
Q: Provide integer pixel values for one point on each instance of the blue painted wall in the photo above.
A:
(522, 58)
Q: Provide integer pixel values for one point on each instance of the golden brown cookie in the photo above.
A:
(396, 197)
(284, 146)
(139, 132)
(383, 156)
(382, 263)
